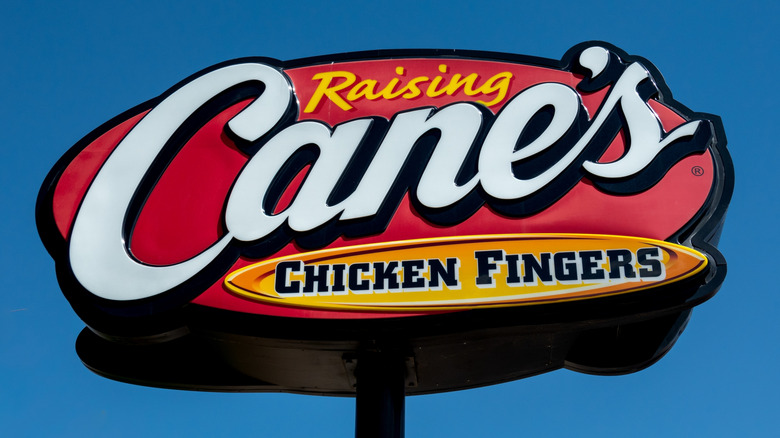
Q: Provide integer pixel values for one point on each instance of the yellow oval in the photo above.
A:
(467, 272)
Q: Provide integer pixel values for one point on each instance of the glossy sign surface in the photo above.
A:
(201, 195)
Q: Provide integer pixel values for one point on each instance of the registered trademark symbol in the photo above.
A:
(697, 170)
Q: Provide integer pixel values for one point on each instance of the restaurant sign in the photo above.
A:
(420, 193)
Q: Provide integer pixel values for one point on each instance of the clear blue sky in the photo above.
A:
(68, 68)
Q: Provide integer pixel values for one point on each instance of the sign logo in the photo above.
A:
(391, 184)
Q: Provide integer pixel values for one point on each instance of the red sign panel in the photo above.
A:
(391, 184)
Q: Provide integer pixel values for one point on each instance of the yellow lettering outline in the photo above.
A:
(324, 89)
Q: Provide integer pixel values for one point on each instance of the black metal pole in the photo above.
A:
(379, 405)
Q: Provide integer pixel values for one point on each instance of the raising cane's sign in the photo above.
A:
(412, 193)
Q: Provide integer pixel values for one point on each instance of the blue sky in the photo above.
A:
(67, 69)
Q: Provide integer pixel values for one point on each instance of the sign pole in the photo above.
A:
(380, 395)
